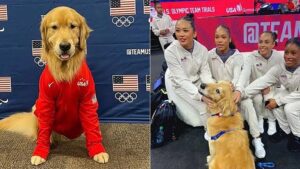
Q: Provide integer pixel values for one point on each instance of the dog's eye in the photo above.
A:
(54, 27)
(72, 26)
(218, 91)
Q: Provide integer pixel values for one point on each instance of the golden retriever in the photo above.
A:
(231, 149)
(64, 33)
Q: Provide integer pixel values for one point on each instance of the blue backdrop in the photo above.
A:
(117, 53)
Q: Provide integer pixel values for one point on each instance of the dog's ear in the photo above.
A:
(84, 33)
(43, 30)
(228, 104)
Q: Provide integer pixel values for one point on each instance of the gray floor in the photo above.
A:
(190, 151)
(127, 145)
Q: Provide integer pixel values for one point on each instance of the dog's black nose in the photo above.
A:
(65, 46)
(203, 85)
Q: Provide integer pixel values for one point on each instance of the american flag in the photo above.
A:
(148, 83)
(36, 47)
(3, 12)
(122, 7)
(146, 7)
(125, 83)
(5, 84)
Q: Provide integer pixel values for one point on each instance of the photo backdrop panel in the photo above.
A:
(245, 32)
(117, 47)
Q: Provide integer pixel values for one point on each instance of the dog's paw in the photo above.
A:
(101, 158)
(207, 159)
(37, 160)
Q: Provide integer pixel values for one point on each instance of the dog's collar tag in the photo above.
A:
(221, 115)
(217, 114)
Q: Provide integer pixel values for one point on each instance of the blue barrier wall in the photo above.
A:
(118, 52)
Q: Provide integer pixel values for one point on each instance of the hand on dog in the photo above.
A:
(237, 96)
(37, 160)
(272, 104)
(208, 101)
(232, 86)
(101, 158)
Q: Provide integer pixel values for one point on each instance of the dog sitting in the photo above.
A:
(229, 143)
(67, 102)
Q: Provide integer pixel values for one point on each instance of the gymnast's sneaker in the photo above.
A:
(259, 148)
(272, 127)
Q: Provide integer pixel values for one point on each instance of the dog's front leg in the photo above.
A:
(211, 151)
(208, 158)
(37, 160)
(101, 158)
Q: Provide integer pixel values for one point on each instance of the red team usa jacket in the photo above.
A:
(68, 108)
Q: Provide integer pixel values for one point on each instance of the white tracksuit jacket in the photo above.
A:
(254, 67)
(159, 24)
(230, 71)
(184, 75)
(289, 99)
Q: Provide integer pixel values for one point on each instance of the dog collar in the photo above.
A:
(217, 114)
(221, 115)
(221, 133)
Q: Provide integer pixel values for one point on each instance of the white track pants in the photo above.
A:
(249, 114)
(190, 111)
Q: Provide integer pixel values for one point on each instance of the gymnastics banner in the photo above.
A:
(245, 32)
(207, 8)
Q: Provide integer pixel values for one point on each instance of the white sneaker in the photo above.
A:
(207, 138)
(259, 148)
(261, 124)
(272, 127)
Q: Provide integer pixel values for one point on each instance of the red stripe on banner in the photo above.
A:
(127, 7)
(148, 87)
(148, 83)
(5, 84)
(129, 83)
(146, 9)
(3, 13)
(36, 52)
(208, 8)
(245, 30)
(36, 47)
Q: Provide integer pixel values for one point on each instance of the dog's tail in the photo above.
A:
(21, 123)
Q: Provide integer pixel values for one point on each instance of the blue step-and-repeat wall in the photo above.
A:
(117, 54)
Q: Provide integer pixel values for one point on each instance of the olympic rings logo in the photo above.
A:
(126, 97)
(39, 61)
(122, 21)
(3, 101)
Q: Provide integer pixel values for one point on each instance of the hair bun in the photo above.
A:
(190, 15)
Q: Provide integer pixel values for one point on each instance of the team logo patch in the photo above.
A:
(183, 59)
(82, 82)
(258, 64)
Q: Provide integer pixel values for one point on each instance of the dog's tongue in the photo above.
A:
(64, 56)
